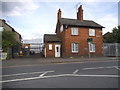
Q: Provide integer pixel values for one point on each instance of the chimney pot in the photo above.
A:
(80, 13)
(59, 14)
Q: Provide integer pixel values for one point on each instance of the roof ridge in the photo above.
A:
(84, 23)
(75, 19)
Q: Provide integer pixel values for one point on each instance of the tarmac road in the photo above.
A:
(67, 75)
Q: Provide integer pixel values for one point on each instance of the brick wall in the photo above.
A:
(81, 39)
(50, 53)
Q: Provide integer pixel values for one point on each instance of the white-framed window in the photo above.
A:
(74, 47)
(50, 46)
(91, 47)
(61, 28)
(91, 32)
(74, 31)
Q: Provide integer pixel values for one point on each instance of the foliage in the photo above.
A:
(17, 47)
(9, 43)
(8, 39)
(114, 37)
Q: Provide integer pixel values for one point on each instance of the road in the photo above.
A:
(71, 75)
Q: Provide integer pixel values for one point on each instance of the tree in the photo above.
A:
(114, 37)
(8, 41)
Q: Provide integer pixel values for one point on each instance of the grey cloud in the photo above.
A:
(9, 7)
(17, 8)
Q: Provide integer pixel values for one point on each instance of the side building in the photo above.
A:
(5, 26)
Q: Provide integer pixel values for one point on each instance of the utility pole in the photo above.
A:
(116, 47)
(89, 49)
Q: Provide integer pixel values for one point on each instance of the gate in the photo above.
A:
(111, 49)
(36, 47)
(32, 50)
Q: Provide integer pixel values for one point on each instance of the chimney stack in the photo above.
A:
(80, 13)
(59, 14)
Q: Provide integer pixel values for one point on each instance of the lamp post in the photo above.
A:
(1, 29)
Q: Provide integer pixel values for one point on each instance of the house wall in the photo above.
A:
(50, 53)
(9, 28)
(81, 39)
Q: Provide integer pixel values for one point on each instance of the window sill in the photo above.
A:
(92, 36)
(92, 51)
(74, 35)
(74, 52)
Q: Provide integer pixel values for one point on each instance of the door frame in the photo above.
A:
(58, 55)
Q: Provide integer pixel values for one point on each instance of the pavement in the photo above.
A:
(42, 61)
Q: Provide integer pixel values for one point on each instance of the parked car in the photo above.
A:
(32, 52)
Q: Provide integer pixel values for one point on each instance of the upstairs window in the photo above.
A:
(74, 47)
(91, 32)
(61, 28)
(74, 31)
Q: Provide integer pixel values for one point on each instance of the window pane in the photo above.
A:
(92, 47)
(74, 31)
(91, 32)
(61, 28)
(50, 46)
(74, 47)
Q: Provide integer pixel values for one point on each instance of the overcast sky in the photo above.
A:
(34, 19)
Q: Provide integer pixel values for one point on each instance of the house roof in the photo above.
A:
(84, 23)
(13, 30)
(106, 34)
(51, 38)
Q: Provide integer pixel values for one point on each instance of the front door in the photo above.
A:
(57, 50)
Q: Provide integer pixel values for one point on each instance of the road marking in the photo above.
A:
(61, 75)
(24, 79)
(25, 73)
(43, 74)
(117, 68)
(101, 67)
(92, 68)
(75, 71)
(98, 75)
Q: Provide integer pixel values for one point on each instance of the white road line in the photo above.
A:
(100, 67)
(92, 68)
(42, 74)
(61, 75)
(75, 71)
(98, 75)
(24, 79)
(25, 73)
(117, 68)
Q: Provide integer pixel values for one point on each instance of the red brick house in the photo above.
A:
(74, 37)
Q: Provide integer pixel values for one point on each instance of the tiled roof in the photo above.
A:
(84, 23)
(51, 38)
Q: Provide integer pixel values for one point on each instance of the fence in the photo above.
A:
(111, 49)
